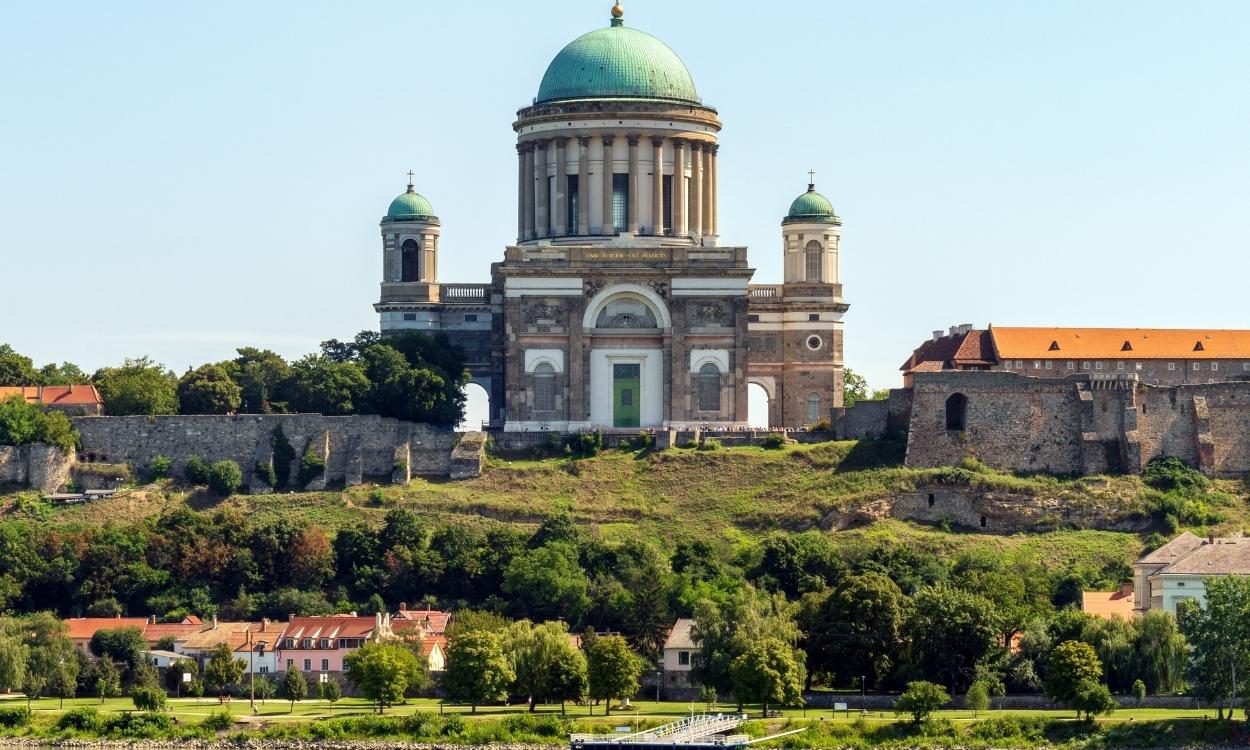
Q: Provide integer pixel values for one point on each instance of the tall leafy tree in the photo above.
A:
(546, 664)
(222, 669)
(138, 386)
(16, 369)
(613, 669)
(208, 389)
(1159, 652)
(477, 671)
(854, 630)
(1219, 639)
(1072, 664)
(383, 673)
(770, 672)
(321, 385)
(951, 631)
(294, 687)
(547, 583)
(263, 379)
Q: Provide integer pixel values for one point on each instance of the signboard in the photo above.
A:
(625, 255)
(624, 730)
(839, 707)
(186, 677)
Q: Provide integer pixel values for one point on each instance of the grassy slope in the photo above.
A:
(729, 494)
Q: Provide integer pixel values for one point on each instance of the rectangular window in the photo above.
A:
(325, 665)
(470, 318)
(264, 669)
(1037, 364)
(668, 204)
(1071, 365)
(1171, 366)
(1019, 365)
(290, 664)
(620, 202)
(574, 203)
(1215, 366)
(1007, 365)
(756, 319)
(1197, 367)
(1138, 367)
(683, 658)
(308, 665)
(1084, 365)
(1119, 366)
(1049, 365)
(813, 317)
(1098, 365)
(410, 317)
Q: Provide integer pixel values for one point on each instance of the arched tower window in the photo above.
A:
(813, 408)
(957, 412)
(411, 261)
(814, 256)
(544, 387)
(709, 387)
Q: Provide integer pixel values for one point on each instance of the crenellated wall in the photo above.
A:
(1079, 425)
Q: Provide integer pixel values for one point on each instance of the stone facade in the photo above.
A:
(40, 467)
(1078, 425)
(356, 449)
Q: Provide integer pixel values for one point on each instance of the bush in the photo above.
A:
(311, 466)
(642, 441)
(143, 726)
(225, 477)
(821, 426)
(218, 721)
(773, 441)
(148, 699)
(921, 699)
(159, 467)
(710, 444)
(84, 719)
(453, 724)
(265, 473)
(1170, 473)
(585, 445)
(196, 470)
(16, 716)
(283, 455)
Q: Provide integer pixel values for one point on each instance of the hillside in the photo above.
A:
(731, 494)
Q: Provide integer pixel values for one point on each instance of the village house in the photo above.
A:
(80, 630)
(1180, 569)
(73, 400)
(243, 639)
(679, 653)
(318, 644)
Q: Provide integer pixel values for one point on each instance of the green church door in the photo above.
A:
(626, 380)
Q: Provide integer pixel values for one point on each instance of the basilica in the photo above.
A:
(618, 306)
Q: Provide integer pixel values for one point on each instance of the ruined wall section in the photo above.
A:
(40, 467)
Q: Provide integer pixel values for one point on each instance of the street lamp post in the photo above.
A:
(659, 678)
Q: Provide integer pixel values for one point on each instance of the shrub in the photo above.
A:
(921, 699)
(218, 721)
(283, 455)
(710, 444)
(453, 724)
(311, 466)
(773, 441)
(84, 719)
(821, 426)
(15, 716)
(148, 699)
(642, 441)
(138, 725)
(196, 470)
(585, 445)
(1170, 473)
(159, 467)
(225, 477)
(265, 473)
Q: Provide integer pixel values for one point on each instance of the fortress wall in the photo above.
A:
(356, 449)
(41, 467)
(1229, 407)
(1012, 422)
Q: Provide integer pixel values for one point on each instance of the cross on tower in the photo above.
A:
(811, 176)
(410, 176)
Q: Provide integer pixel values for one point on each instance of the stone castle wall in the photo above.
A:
(355, 449)
(40, 467)
(1079, 425)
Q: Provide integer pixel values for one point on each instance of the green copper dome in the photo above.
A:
(411, 206)
(812, 206)
(617, 62)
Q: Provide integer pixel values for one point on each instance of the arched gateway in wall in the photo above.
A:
(618, 307)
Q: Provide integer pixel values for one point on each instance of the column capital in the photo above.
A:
(680, 142)
(609, 139)
(561, 141)
(542, 143)
(696, 146)
(633, 140)
(657, 141)
(583, 140)
(714, 148)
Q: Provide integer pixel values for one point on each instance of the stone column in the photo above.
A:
(680, 228)
(709, 187)
(559, 224)
(696, 188)
(528, 218)
(520, 193)
(543, 186)
(608, 168)
(657, 189)
(715, 191)
(583, 185)
(633, 184)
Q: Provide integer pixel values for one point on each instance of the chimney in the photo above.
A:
(954, 330)
(937, 335)
(1126, 589)
(403, 606)
(377, 620)
(290, 617)
(214, 622)
(264, 624)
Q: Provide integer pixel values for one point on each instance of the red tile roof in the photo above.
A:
(432, 620)
(1120, 343)
(338, 626)
(54, 395)
(82, 628)
(1108, 604)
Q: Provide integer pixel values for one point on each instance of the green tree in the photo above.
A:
(66, 373)
(613, 670)
(547, 666)
(13, 655)
(1219, 639)
(1160, 652)
(547, 583)
(108, 679)
(854, 629)
(122, 645)
(208, 390)
(477, 671)
(978, 698)
(921, 699)
(321, 385)
(330, 692)
(854, 387)
(1139, 691)
(148, 698)
(1071, 664)
(951, 631)
(727, 624)
(174, 679)
(262, 377)
(770, 671)
(225, 477)
(139, 386)
(23, 423)
(222, 669)
(265, 689)
(16, 369)
(1093, 699)
(294, 687)
(383, 673)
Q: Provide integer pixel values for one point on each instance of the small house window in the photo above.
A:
(1071, 365)
(753, 318)
(1119, 366)
(1098, 365)
(1215, 366)
(709, 388)
(1050, 365)
(325, 665)
(957, 412)
(470, 317)
(813, 317)
(1171, 366)
(683, 658)
(308, 665)
(1037, 364)
(1084, 365)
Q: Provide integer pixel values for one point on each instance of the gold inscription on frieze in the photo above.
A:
(619, 255)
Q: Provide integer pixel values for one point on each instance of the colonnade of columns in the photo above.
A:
(542, 211)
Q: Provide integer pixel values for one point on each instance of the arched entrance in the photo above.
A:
(624, 327)
(476, 408)
(759, 405)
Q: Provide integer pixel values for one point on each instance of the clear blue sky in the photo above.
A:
(181, 179)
